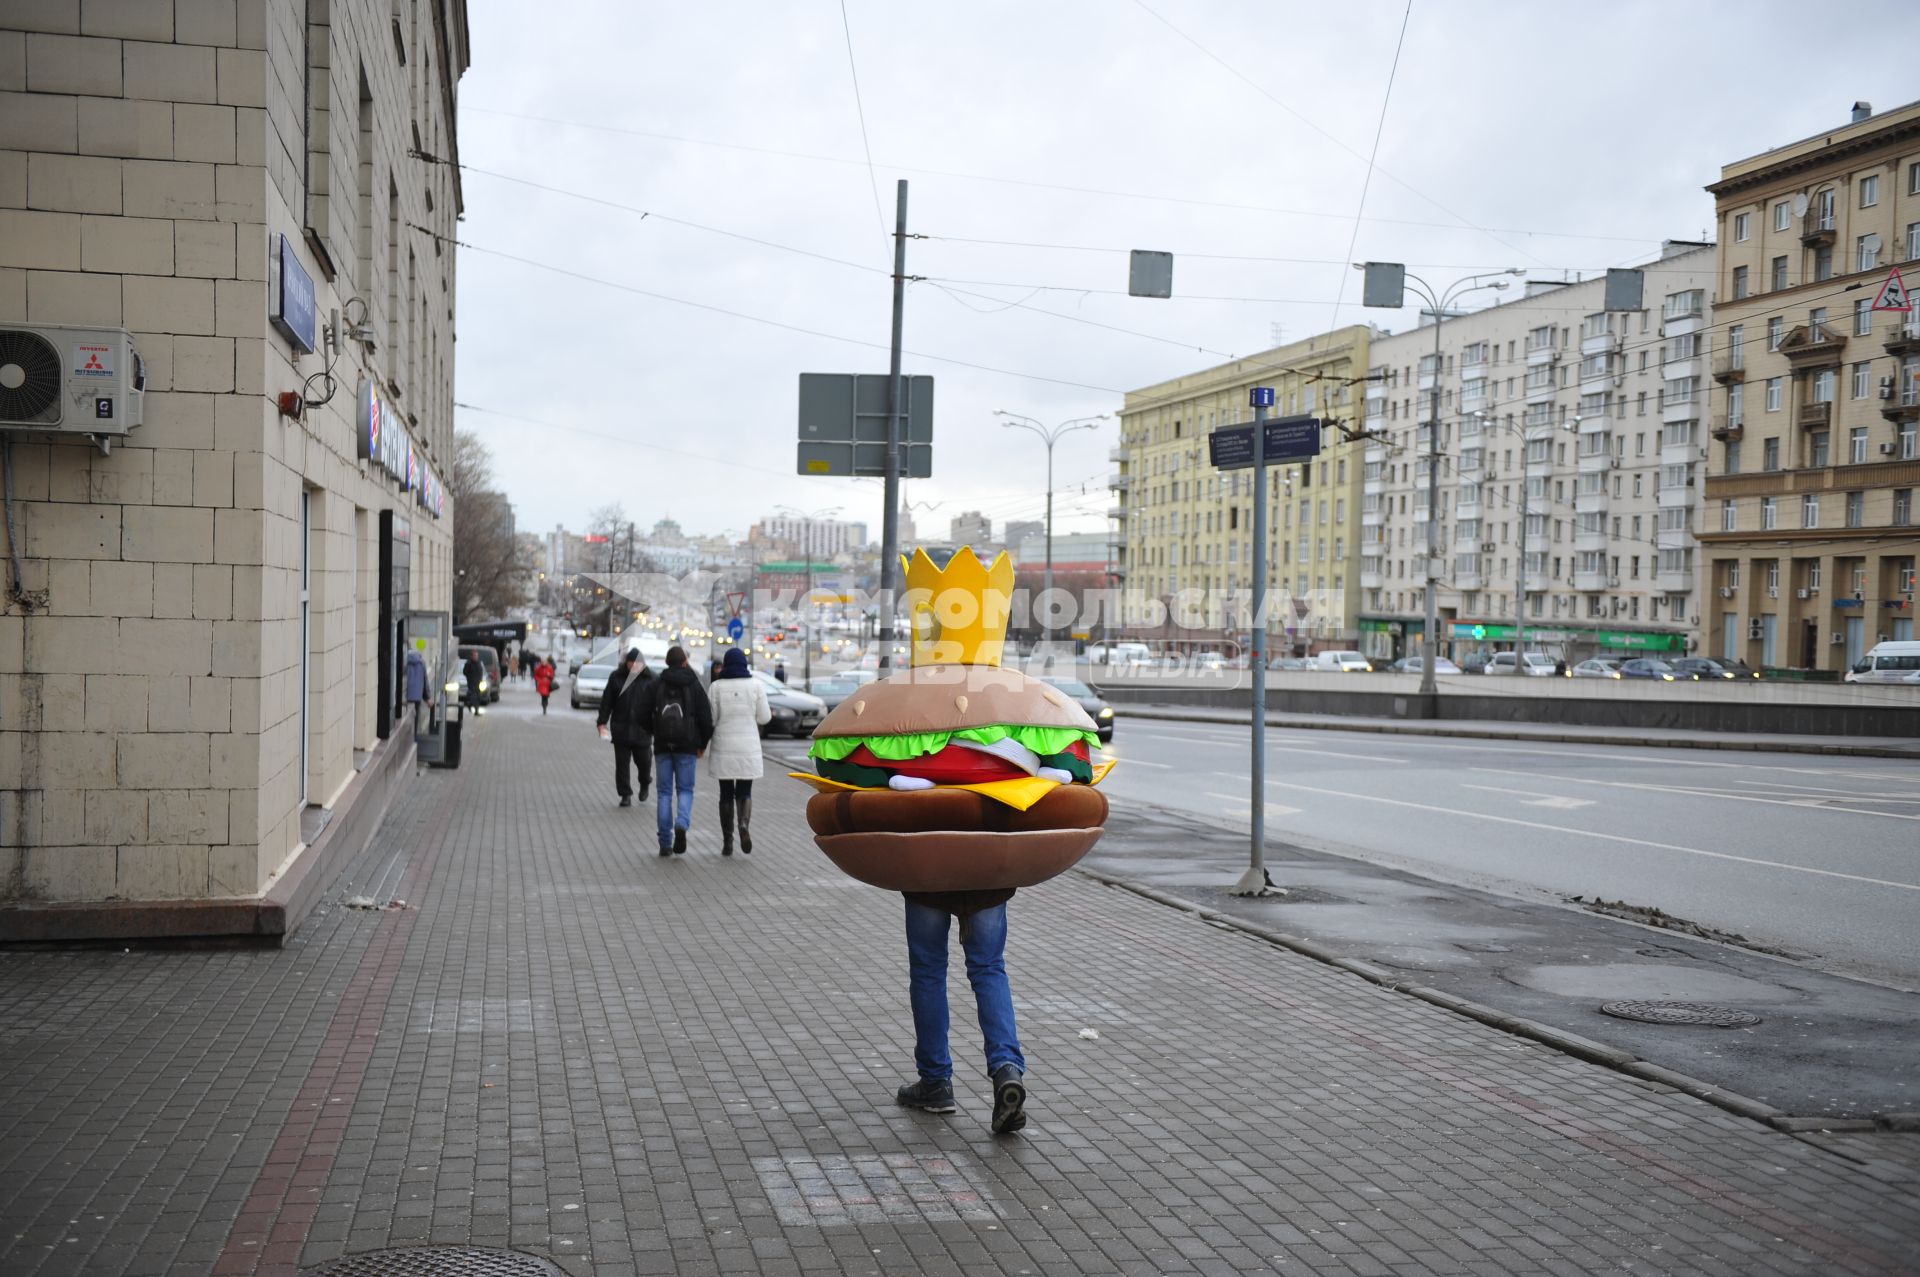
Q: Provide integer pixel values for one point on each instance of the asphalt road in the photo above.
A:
(1816, 855)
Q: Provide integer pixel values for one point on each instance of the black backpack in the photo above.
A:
(673, 730)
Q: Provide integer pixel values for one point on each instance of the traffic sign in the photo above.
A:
(843, 425)
(735, 628)
(1893, 293)
(1288, 439)
(736, 599)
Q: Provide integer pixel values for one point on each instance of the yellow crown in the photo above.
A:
(959, 614)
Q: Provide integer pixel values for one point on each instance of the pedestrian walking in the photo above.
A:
(475, 673)
(740, 710)
(543, 683)
(780, 669)
(983, 937)
(679, 722)
(622, 715)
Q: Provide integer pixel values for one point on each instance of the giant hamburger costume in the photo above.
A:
(956, 775)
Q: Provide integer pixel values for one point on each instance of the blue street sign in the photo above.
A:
(1260, 397)
(1292, 439)
(735, 628)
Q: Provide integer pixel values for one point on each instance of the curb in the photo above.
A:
(1177, 715)
(1545, 1034)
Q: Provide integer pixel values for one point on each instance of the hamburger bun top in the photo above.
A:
(951, 698)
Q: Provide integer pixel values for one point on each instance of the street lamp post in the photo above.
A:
(1437, 304)
(806, 621)
(1048, 435)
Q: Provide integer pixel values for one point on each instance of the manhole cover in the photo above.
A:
(438, 1261)
(1680, 1013)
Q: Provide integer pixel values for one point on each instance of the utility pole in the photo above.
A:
(1256, 881)
(890, 520)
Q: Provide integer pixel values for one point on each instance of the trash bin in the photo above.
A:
(450, 732)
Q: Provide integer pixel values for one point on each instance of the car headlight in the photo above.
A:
(483, 684)
(1667, 678)
(1106, 712)
(451, 687)
(1615, 674)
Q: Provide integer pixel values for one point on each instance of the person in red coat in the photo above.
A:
(543, 681)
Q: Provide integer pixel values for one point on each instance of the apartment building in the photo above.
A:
(1570, 443)
(1811, 534)
(1182, 531)
(202, 662)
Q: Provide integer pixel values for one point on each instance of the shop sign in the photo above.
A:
(380, 438)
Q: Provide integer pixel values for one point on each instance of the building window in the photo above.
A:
(1902, 506)
(1770, 455)
(1824, 383)
(1813, 577)
(1869, 190)
(1729, 516)
(1857, 446)
(1776, 329)
(1736, 404)
(1817, 449)
(1909, 441)
(1862, 379)
(1773, 393)
(1866, 252)
(1742, 227)
(1913, 240)
(1740, 281)
(1856, 509)
(1822, 264)
(1782, 216)
(1810, 510)
(1863, 317)
(1732, 465)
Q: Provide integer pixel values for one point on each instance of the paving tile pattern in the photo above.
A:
(571, 1047)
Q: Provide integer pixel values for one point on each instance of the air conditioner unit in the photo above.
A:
(1613, 582)
(1726, 591)
(1838, 637)
(59, 380)
(1773, 591)
(1886, 450)
(1886, 387)
(1800, 594)
(1755, 630)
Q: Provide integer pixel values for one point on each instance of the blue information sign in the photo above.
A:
(735, 628)
(1287, 439)
(1260, 397)
(290, 305)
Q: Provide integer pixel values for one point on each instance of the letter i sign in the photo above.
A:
(1893, 293)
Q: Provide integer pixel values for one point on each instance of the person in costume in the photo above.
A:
(956, 782)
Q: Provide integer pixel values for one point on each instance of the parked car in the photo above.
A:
(1536, 664)
(1416, 665)
(1598, 667)
(1089, 698)
(1890, 662)
(1342, 662)
(795, 713)
(490, 662)
(1706, 669)
(590, 679)
(834, 688)
(1473, 663)
(1653, 668)
(1119, 655)
(1289, 663)
(1207, 662)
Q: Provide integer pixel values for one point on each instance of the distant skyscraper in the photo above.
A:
(970, 528)
(1017, 530)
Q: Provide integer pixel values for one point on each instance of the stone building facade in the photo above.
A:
(1810, 521)
(1183, 528)
(200, 667)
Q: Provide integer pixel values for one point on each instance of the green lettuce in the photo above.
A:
(1043, 741)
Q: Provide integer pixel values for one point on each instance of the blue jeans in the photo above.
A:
(985, 944)
(673, 778)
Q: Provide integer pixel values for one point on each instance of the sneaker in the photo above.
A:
(666, 851)
(1009, 1100)
(930, 1094)
(679, 842)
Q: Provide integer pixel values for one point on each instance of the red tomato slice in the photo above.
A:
(953, 765)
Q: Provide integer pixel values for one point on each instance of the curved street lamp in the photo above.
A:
(1049, 435)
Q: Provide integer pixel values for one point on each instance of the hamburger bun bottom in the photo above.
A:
(953, 860)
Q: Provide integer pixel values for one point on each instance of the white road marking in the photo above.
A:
(1141, 762)
(1802, 803)
(1271, 809)
(1535, 800)
(1589, 833)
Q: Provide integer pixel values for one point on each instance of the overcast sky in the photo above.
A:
(1553, 137)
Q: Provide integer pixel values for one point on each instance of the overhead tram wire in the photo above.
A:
(859, 106)
(1151, 196)
(1372, 157)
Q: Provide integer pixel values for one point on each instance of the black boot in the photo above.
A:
(679, 842)
(1009, 1100)
(746, 819)
(726, 826)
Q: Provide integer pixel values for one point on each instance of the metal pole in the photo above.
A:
(1256, 882)
(1431, 656)
(1520, 570)
(1046, 588)
(806, 613)
(890, 521)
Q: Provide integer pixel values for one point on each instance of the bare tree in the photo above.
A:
(490, 568)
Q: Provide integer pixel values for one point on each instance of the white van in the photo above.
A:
(1894, 662)
(1343, 662)
(1120, 655)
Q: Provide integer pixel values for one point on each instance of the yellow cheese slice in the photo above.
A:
(1019, 794)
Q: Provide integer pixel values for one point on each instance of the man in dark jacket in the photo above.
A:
(680, 722)
(621, 710)
(474, 673)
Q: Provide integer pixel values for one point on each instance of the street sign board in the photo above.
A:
(1288, 439)
(1149, 274)
(843, 425)
(735, 628)
(736, 599)
(1893, 293)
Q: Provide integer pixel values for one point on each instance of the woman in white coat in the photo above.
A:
(740, 709)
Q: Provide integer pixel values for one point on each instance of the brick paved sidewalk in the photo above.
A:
(569, 1046)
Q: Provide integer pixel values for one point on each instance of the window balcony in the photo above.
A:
(1594, 463)
(1905, 404)
(1117, 536)
(1729, 429)
(1680, 409)
(1590, 502)
(1117, 512)
(1903, 337)
(1730, 367)
(1590, 582)
(1817, 228)
(1676, 581)
(1116, 454)
(1813, 416)
(1589, 539)
(1121, 482)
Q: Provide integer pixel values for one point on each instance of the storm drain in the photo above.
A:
(438, 1261)
(1680, 1013)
